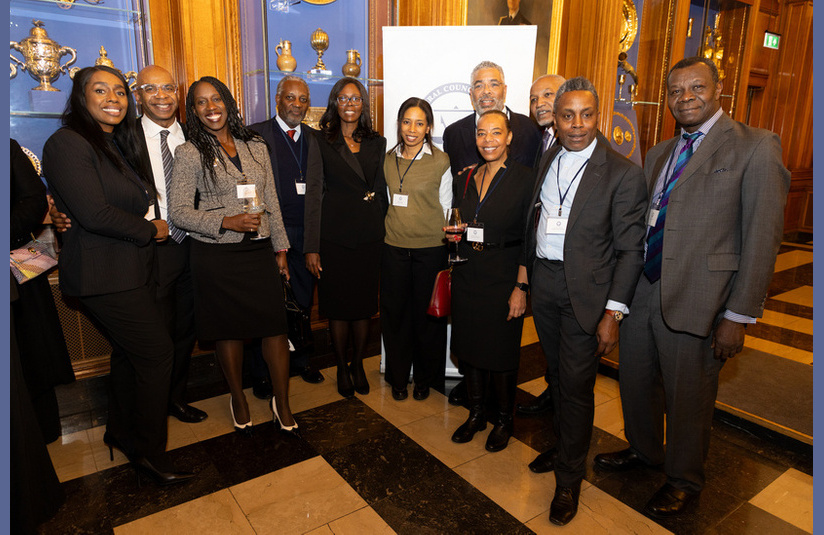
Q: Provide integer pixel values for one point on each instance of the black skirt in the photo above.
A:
(349, 283)
(238, 291)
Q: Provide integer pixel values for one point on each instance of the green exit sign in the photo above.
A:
(771, 40)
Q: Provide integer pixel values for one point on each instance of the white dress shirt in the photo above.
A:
(151, 131)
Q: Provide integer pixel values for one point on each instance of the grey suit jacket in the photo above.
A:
(604, 241)
(220, 200)
(725, 219)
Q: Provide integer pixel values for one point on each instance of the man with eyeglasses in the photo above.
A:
(156, 94)
(295, 153)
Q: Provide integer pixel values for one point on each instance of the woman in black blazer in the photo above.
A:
(98, 172)
(345, 209)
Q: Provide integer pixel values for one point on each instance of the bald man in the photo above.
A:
(541, 105)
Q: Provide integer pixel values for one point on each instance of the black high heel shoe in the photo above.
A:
(361, 385)
(345, 388)
(292, 429)
(113, 443)
(245, 429)
(144, 466)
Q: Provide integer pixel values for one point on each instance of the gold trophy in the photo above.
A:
(103, 60)
(42, 57)
(320, 42)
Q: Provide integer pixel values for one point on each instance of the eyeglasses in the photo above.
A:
(342, 99)
(152, 89)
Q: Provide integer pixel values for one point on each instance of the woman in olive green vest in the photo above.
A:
(420, 190)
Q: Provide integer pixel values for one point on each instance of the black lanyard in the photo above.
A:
(289, 143)
(398, 167)
(558, 182)
(492, 187)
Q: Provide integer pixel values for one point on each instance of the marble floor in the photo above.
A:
(374, 465)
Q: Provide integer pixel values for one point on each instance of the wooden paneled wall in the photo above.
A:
(431, 12)
(195, 38)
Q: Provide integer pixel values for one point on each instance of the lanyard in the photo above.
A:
(398, 167)
(289, 143)
(492, 187)
(558, 182)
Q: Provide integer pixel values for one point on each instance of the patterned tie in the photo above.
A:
(175, 233)
(547, 139)
(655, 239)
(291, 134)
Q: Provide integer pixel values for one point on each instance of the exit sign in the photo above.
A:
(771, 40)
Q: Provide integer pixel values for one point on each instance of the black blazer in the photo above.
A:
(335, 209)
(604, 241)
(459, 142)
(109, 247)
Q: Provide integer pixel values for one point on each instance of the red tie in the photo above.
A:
(291, 134)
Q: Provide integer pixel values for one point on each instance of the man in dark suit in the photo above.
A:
(488, 92)
(514, 17)
(156, 93)
(295, 153)
(542, 105)
(717, 194)
(584, 244)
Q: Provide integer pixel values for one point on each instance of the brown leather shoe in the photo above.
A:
(619, 461)
(669, 501)
(564, 505)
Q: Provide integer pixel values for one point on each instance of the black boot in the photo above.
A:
(474, 379)
(504, 385)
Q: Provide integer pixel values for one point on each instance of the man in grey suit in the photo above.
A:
(584, 246)
(715, 223)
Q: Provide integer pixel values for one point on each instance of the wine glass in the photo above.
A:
(454, 228)
(255, 205)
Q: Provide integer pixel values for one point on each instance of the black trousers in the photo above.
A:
(572, 365)
(175, 297)
(410, 336)
(141, 366)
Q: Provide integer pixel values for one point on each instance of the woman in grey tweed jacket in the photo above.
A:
(238, 292)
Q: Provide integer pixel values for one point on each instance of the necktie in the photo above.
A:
(655, 239)
(547, 139)
(175, 233)
(291, 134)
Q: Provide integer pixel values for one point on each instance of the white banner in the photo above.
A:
(435, 63)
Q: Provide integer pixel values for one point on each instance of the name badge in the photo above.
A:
(300, 187)
(475, 232)
(653, 217)
(401, 200)
(245, 191)
(556, 225)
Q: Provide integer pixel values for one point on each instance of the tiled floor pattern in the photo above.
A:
(374, 465)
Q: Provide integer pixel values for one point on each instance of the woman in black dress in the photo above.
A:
(489, 290)
(238, 293)
(98, 171)
(344, 229)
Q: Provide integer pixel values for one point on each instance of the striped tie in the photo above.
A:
(655, 239)
(176, 234)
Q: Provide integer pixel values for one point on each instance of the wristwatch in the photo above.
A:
(617, 315)
(524, 287)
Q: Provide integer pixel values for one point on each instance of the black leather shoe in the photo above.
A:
(545, 462)
(564, 505)
(499, 436)
(475, 423)
(399, 395)
(310, 375)
(457, 396)
(142, 466)
(668, 501)
(420, 393)
(262, 389)
(187, 413)
(359, 381)
(619, 461)
(542, 404)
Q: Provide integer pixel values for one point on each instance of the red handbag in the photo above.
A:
(440, 304)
